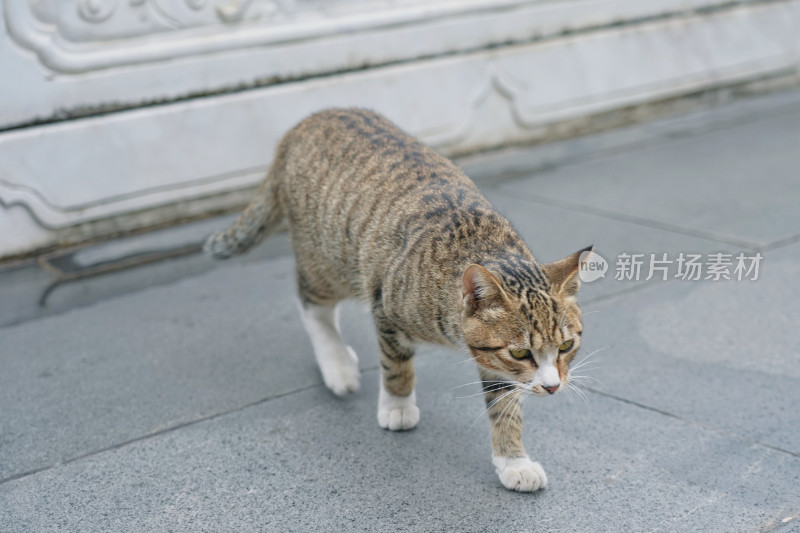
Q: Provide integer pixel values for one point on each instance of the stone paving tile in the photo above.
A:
(723, 354)
(128, 366)
(738, 184)
(309, 461)
(30, 292)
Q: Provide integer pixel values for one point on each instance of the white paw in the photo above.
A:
(397, 413)
(520, 474)
(340, 372)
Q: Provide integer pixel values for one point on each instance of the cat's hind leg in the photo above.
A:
(337, 361)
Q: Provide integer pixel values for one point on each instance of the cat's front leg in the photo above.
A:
(397, 407)
(512, 464)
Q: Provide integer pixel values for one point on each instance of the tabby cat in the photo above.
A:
(374, 214)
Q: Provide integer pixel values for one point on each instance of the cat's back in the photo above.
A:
(355, 170)
(364, 197)
(368, 150)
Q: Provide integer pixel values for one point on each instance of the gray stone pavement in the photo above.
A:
(183, 396)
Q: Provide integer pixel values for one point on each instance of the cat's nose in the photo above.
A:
(552, 389)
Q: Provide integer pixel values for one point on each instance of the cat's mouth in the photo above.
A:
(542, 390)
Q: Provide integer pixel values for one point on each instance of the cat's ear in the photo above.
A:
(564, 273)
(480, 289)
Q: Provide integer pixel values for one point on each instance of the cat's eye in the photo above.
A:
(565, 346)
(520, 354)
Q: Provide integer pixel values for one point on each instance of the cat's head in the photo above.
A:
(521, 320)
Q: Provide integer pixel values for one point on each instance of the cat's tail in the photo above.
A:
(258, 221)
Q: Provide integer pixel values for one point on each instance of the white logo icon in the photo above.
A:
(592, 267)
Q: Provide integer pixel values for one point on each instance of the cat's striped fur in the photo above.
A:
(374, 214)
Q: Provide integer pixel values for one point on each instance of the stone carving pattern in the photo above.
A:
(75, 36)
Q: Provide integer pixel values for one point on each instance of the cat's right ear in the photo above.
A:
(480, 289)
(564, 273)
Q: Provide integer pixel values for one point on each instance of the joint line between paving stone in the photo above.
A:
(547, 166)
(581, 208)
(156, 433)
(622, 292)
(165, 431)
(780, 243)
(692, 422)
(650, 139)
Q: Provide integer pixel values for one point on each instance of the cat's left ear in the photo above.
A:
(564, 273)
(481, 290)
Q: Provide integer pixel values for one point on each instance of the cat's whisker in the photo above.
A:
(579, 392)
(568, 390)
(580, 377)
(582, 384)
(522, 392)
(492, 404)
(503, 396)
(505, 414)
(584, 362)
(593, 353)
(468, 359)
(493, 382)
(571, 387)
(522, 397)
(509, 402)
(582, 370)
(581, 361)
(587, 359)
(506, 417)
(584, 396)
(586, 386)
(470, 395)
(500, 387)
